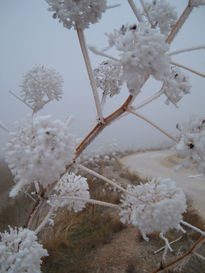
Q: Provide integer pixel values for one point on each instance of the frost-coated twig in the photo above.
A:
(189, 69)
(193, 227)
(166, 247)
(153, 124)
(113, 6)
(199, 256)
(90, 72)
(172, 242)
(188, 49)
(163, 266)
(146, 13)
(3, 127)
(101, 53)
(179, 23)
(91, 201)
(17, 97)
(135, 10)
(113, 184)
(44, 222)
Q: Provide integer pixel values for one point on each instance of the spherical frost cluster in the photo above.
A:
(143, 53)
(175, 86)
(20, 251)
(108, 77)
(39, 150)
(191, 146)
(156, 206)
(41, 85)
(71, 185)
(162, 14)
(77, 12)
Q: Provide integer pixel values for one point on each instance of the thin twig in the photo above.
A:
(199, 256)
(153, 124)
(3, 127)
(189, 69)
(135, 10)
(193, 227)
(90, 72)
(146, 13)
(101, 53)
(44, 222)
(188, 49)
(160, 249)
(13, 94)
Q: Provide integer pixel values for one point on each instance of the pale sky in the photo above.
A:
(29, 36)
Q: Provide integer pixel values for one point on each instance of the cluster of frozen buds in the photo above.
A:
(175, 86)
(39, 151)
(154, 206)
(72, 191)
(20, 251)
(191, 145)
(80, 13)
(41, 85)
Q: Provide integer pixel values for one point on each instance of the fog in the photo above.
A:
(29, 36)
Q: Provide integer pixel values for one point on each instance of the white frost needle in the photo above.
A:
(189, 69)
(188, 49)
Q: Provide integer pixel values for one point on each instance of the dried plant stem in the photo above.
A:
(135, 10)
(193, 227)
(90, 72)
(113, 184)
(91, 201)
(166, 247)
(101, 53)
(188, 49)
(153, 124)
(148, 100)
(189, 69)
(160, 249)
(17, 97)
(199, 256)
(179, 23)
(146, 13)
(162, 267)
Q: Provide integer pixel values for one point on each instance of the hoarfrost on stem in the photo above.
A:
(39, 150)
(156, 206)
(20, 251)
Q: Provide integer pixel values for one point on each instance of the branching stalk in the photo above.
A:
(189, 69)
(148, 100)
(90, 72)
(153, 124)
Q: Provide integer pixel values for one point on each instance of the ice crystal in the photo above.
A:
(20, 251)
(41, 85)
(191, 145)
(39, 150)
(108, 77)
(77, 12)
(156, 206)
(175, 86)
(162, 14)
(74, 186)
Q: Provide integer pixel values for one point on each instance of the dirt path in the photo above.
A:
(162, 163)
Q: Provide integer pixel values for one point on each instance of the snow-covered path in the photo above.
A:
(162, 163)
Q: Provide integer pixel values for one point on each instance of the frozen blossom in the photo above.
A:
(191, 145)
(80, 13)
(74, 186)
(175, 86)
(20, 251)
(39, 150)
(40, 85)
(156, 206)
(162, 14)
(143, 52)
(108, 77)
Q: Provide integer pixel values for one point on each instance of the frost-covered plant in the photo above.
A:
(175, 86)
(108, 77)
(162, 14)
(40, 85)
(20, 251)
(191, 145)
(77, 12)
(71, 185)
(39, 150)
(154, 206)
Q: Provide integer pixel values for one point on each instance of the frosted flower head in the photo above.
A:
(158, 206)
(74, 186)
(162, 14)
(175, 86)
(108, 77)
(77, 12)
(191, 145)
(39, 150)
(41, 85)
(20, 251)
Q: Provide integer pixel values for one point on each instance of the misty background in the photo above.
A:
(29, 36)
